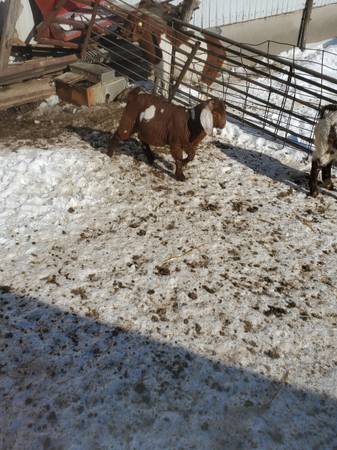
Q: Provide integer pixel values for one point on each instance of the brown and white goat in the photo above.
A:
(160, 123)
(157, 40)
(325, 152)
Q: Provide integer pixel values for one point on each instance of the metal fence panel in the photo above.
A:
(279, 95)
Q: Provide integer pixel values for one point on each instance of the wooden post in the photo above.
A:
(89, 30)
(184, 70)
(11, 17)
(306, 17)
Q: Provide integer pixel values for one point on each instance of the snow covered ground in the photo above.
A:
(141, 313)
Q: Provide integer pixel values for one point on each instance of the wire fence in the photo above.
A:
(279, 95)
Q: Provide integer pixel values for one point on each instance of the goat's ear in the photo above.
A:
(206, 120)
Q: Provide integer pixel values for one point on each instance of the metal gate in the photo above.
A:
(278, 95)
(281, 96)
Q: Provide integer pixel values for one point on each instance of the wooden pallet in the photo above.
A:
(26, 92)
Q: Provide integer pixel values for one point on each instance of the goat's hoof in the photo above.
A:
(180, 177)
(329, 185)
(150, 160)
(112, 150)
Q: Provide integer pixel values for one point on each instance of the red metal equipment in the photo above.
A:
(65, 21)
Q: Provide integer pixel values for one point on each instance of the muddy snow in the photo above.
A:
(141, 313)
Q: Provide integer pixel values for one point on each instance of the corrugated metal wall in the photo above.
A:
(220, 12)
(214, 13)
(324, 2)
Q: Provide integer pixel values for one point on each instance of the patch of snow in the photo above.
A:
(30, 179)
(51, 101)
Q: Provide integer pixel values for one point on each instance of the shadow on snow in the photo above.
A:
(99, 139)
(270, 167)
(72, 382)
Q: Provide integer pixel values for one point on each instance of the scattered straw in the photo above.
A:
(174, 258)
(305, 222)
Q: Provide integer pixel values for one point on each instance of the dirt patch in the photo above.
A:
(32, 123)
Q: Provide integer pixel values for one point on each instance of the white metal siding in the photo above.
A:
(220, 12)
(324, 2)
(214, 13)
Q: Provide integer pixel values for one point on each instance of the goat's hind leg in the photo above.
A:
(127, 126)
(158, 78)
(313, 183)
(326, 177)
(177, 154)
(190, 156)
(150, 156)
(113, 144)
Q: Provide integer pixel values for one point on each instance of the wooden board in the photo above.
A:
(26, 92)
(35, 68)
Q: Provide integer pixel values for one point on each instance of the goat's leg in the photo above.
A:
(166, 70)
(148, 153)
(326, 177)
(315, 168)
(113, 144)
(127, 126)
(190, 156)
(158, 70)
(177, 154)
(205, 91)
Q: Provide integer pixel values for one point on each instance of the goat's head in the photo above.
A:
(213, 115)
(138, 26)
(332, 107)
(133, 27)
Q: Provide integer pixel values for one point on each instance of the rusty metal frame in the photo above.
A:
(90, 28)
(184, 70)
(257, 51)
